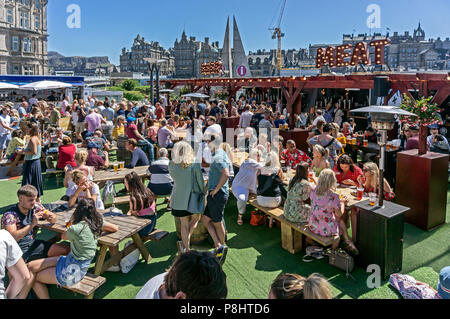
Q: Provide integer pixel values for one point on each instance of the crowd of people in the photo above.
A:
(196, 175)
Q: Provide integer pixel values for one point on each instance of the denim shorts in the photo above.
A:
(4, 141)
(70, 271)
(147, 230)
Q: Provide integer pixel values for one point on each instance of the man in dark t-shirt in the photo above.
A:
(21, 220)
(138, 157)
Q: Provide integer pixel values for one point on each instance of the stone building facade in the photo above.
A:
(133, 60)
(23, 37)
(264, 63)
(190, 54)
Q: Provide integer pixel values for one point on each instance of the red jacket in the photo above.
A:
(66, 156)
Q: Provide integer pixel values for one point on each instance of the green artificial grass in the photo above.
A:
(255, 257)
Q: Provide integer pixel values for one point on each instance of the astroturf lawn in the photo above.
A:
(255, 257)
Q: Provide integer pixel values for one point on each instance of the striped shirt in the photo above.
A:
(160, 172)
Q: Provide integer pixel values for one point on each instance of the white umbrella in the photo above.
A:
(196, 95)
(166, 91)
(5, 86)
(45, 85)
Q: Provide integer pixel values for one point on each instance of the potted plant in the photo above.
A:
(427, 114)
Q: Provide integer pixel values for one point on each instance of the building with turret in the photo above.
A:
(133, 60)
(190, 54)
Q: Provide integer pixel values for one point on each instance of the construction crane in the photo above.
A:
(277, 34)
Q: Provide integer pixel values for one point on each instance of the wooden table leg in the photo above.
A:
(100, 260)
(140, 245)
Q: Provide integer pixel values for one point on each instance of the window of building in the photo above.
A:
(28, 70)
(9, 16)
(15, 43)
(16, 69)
(25, 20)
(37, 22)
(27, 45)
(37, 4)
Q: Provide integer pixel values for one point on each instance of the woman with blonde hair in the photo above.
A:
(293, 286)
(340, 137)
(82, 188)
(80, 159)
(327, 210)
(188, 180)
(320, 159)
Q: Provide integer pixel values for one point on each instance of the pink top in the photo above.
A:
(148, 211)
(152, 133)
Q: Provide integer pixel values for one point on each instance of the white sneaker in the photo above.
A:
(113, 269)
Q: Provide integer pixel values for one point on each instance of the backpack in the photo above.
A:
(109, 193)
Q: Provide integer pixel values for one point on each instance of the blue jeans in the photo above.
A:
(150, 228)
(148, 149)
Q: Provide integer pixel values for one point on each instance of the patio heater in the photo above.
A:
(383, 120)
(380, 228)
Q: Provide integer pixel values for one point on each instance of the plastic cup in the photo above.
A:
(360, 193)
(372, 199)
(388, 147)
(68, 221)
(122, 165)
(116, 167)
(366, 143)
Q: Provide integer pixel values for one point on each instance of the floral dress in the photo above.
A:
(322, 220)
(295, 209)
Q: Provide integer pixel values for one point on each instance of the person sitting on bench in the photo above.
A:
(138, 158)
(161, 183)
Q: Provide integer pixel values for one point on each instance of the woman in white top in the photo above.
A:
(83, 188)
(245, 182)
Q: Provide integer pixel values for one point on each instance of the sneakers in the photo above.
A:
(221, 254)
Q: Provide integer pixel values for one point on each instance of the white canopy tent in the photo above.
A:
(7, 86)
(45, 85)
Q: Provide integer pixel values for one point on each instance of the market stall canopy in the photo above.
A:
(45, 85)
(196, 95)
(6, 86)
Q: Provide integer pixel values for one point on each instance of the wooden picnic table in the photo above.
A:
(129, 227)
(342, 191)
(104, 176)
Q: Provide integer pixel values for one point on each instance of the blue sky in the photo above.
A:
(109, 25)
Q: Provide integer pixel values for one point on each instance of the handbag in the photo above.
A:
(341, 260)
(257, 219)
(196, 203)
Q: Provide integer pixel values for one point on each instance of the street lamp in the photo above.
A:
(154, 66)
(383, 120)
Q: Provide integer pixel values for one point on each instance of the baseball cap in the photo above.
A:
(434, 127)
(131, 119)
(414, 127)
(443, 286)
(92, 145)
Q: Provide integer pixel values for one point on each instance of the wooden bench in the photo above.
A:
(88, 285)
(122, 200)
(291, 234)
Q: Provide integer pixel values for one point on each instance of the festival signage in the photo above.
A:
(340, 56)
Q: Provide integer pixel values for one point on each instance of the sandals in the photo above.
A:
(351, 248)
(313, 253)
(240, 220)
